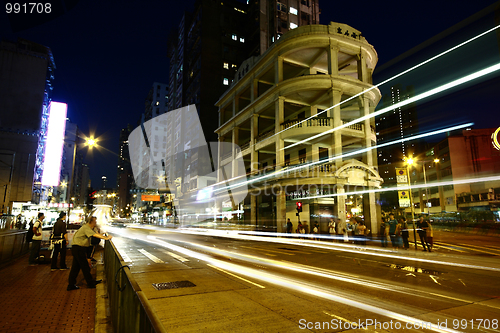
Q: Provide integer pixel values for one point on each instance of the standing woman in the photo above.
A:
(81, 242)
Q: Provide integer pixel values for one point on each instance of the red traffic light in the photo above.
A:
(299, 204)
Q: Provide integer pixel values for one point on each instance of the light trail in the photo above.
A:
(333, 158)
(398, 75)
(298, 286)
(324, 273)
(413, 99)
(349, 248)
(406, 187)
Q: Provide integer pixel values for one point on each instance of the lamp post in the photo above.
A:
(89, 142)
(409, 162)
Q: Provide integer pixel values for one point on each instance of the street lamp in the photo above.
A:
(409, 162)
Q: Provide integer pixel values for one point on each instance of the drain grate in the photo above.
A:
(173, 285)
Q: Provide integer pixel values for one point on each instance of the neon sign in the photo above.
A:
(495, 137)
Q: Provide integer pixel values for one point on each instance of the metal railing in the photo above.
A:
(131, 311)
(12, 244)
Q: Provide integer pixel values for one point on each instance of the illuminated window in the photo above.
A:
(293, 11)
(233, 66)
(157, 103)
(242, 39)
(226, 65)
(293, 25)
(234, 37)
(225, 82)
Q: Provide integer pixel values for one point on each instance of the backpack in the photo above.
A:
(29, 236)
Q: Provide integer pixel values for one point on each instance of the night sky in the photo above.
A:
(108, 54)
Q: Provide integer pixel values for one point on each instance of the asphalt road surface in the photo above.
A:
(251, 283)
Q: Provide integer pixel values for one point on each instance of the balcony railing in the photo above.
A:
(245, 146)
(265, 135)
(313, 122)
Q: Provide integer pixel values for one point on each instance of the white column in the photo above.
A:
(279, 117)
(333, 59)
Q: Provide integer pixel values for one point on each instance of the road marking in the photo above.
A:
(484, 248)
(451, 247)
(181, 259)
(124, 256)
(236, 276)
(474, 248)
(152, 257)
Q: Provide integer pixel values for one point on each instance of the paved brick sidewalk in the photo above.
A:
(34, 299)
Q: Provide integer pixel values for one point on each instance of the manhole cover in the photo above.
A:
(173, 285)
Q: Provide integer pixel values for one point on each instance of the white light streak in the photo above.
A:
(293, 169)
(398, 75)
(413, 99)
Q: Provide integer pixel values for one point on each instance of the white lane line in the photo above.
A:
(124, 256)
(236, 276)
(353, 324)
(181, 259)
(152, 257)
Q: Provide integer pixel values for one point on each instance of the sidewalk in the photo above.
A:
(34, 299)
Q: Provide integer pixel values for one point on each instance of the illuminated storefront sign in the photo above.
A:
(150, 197)
(54, 144)
(495, 137)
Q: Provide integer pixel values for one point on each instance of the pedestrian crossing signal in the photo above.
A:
(299, 206)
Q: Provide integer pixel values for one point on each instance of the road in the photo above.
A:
(267, 284)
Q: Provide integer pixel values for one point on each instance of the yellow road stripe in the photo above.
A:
(236, 276)
(475, 248)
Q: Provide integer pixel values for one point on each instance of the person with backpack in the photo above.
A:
(36, 240)
(60, 240)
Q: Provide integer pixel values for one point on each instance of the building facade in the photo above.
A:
(26, 76)
(468, 154)
(293, 151)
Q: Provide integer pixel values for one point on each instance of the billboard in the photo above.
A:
(54, 144)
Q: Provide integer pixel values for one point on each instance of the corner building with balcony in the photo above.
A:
(310, 69)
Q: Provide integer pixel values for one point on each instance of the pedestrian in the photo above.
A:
(81, 241)
(422, 232)
(384, 231)
(60, 241)
(289, 227)
(404, 233)
(429, 237)
(361, 233)
(316, 230)
(36, 240)
(332, 229)
(393, 231)
(342, 230)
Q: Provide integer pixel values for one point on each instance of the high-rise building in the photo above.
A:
(400, 123)
(124, 172)
(268, 20)
(210, 51)
(26, 76)
(156, 101)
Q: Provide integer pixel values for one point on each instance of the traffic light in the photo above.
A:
(299, 206)
(90, 200)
